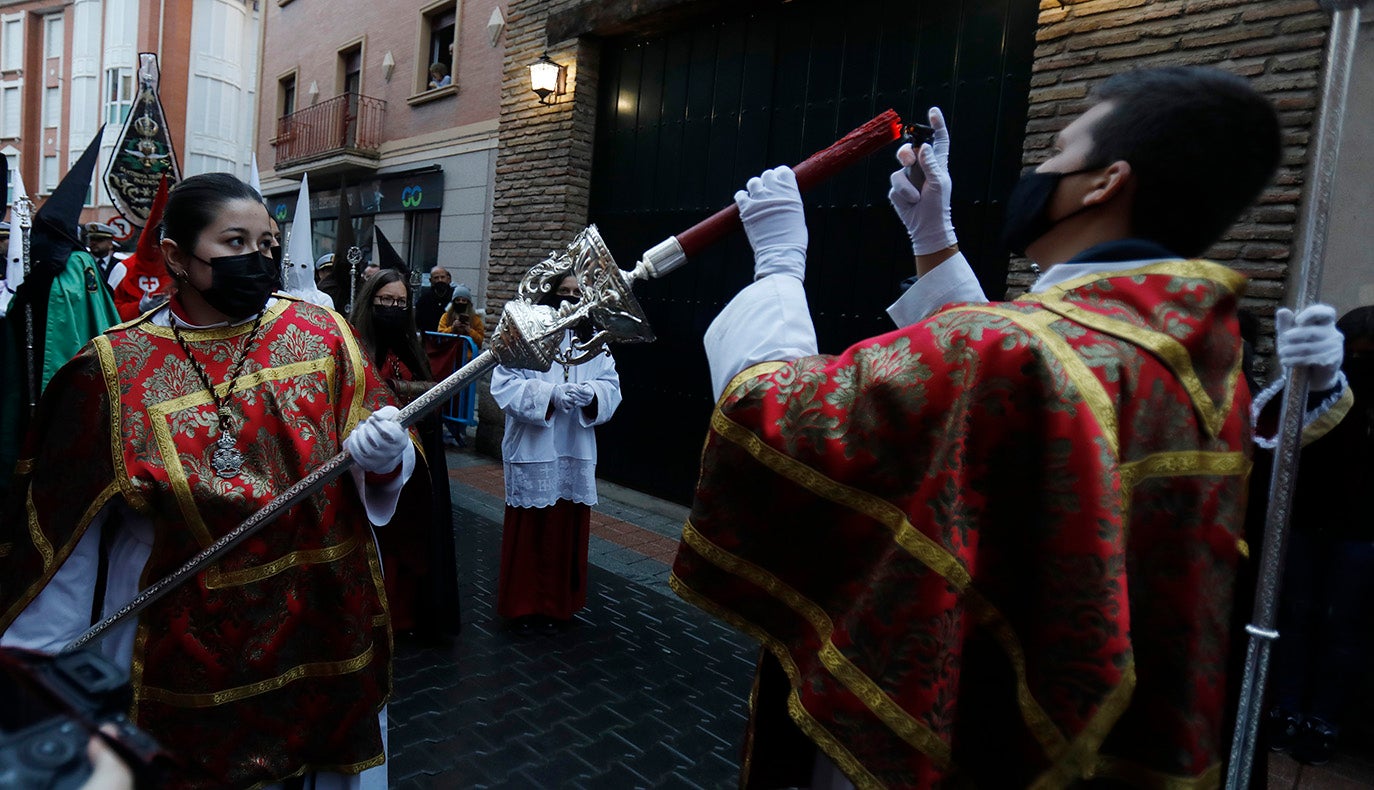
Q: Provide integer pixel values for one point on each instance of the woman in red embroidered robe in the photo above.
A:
(417, 549)
(164, 434)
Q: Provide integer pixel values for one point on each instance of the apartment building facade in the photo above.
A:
(395, 106)
(66, 68)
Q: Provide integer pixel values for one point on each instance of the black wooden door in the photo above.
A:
(685, 118)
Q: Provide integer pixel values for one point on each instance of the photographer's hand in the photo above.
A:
(108, 771)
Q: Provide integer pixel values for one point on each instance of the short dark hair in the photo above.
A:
(193, 203)
(1201, 143)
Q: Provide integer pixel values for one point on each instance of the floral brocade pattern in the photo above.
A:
(291, 626)
(995, 547)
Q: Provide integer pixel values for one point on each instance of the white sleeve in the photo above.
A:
(380, 499)
(522, 395)
(953, 281)
(767, 321)
(62, 610)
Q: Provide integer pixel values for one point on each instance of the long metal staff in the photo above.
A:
(1340, 51)
(23, 214)
(529, 335)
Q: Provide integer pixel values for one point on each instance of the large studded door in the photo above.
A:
(686, 117)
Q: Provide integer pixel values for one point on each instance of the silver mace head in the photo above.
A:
(529, 334)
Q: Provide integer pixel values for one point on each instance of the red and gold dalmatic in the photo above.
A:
(277, 658)
(997, 547)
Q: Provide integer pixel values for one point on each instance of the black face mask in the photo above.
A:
(1027, 209)
(389, 320)
(240, 284)
(441, 291)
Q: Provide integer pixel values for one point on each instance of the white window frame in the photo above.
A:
(426, 36)
(112, 102)
(12, 128)
(49, 22)
(48, 181)
(10, 60)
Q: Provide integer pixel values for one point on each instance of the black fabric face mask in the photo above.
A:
(390, 320)
(240, 284)
(1028, 206)
(441, 291)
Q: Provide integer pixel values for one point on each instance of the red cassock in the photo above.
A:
(277, 658)
(996, 547)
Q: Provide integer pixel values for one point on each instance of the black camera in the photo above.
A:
(50, 705)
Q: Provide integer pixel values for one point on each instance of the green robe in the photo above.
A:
(79, 308)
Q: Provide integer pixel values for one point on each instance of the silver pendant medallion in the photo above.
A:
(225, 459)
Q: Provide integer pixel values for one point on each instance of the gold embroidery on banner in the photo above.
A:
(1090, 388)
(1140, 776)
(159, 414)
(1078, 760)
(1179, 464)
(222, 332)
(109, 369)
(40, 541)
(753, 371)
(808, 724)
(316, 670)
(1164, 346)
(1191, 269)
(52, 560)
(357, 407)
(897, 719)
(258, 573)
(919, 546)
(1320, 426)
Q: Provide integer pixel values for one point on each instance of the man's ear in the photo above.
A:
(1115, 179)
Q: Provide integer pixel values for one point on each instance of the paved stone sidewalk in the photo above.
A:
(642, 691)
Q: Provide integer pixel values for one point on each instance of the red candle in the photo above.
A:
(820, 166)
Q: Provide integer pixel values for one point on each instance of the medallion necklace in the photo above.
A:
(225, 458)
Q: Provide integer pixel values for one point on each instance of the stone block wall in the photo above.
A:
(1278, 44)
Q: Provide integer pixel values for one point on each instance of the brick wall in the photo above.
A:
(1278, 44)
(543, 166)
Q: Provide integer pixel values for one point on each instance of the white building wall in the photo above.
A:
(222, 91)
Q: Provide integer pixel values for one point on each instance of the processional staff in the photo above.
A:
(1340, 52)
(529, 335)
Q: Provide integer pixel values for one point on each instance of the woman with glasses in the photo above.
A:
(417, 546)
(549, 453)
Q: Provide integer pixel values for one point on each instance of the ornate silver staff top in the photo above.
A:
(527, 336)
(355, 257)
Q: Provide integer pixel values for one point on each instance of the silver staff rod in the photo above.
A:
(1340, 53)
(308, 485)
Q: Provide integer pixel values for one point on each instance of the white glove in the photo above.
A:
(562, 396)
(925, 212)
(582, 395)
(1311, 338)
(771, 209)
(379, 442)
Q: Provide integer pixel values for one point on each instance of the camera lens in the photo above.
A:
(57, 748)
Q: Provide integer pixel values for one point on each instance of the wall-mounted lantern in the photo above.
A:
(548, 79)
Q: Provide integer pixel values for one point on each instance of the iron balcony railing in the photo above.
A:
(346, 124)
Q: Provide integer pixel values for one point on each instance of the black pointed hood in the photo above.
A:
(55, 223)
(388, 257)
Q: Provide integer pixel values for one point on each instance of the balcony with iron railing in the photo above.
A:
(336, 135)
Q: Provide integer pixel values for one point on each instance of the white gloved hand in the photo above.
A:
(771, 209)
(925, 212)
(1311, 338)
(582, 395)
(562, 396)
(378, 442)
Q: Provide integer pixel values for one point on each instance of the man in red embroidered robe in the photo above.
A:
(998, 545)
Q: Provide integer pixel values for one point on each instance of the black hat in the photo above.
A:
(390, 259)
(54, 227)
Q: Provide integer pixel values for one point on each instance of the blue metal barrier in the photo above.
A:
(461, 409)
